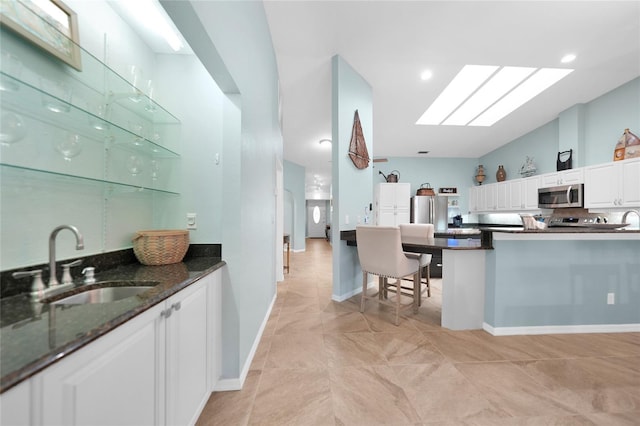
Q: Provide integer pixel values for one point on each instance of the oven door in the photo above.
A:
(561, 197)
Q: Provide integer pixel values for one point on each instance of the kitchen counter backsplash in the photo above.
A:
(10, 286)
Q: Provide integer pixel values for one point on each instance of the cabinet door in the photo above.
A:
(402, 216)
(15, 405)
(630, 184)
(502, 196)
(473, 199)
(516, 193)
(601, 186)
(490, 196)
(115, 380)
(530, 192)
(403, 195)
(187, 385)
(482, 198)
(214, 327)
(567, 177)
(386, 196)
(549, 179)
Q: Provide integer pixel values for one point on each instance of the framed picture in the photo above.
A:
(50, 24)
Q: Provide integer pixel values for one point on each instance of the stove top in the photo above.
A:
(589, 221)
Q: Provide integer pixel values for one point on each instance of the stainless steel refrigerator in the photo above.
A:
(430, 209)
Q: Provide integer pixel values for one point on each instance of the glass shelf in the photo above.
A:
(23, 98)
(113, 187)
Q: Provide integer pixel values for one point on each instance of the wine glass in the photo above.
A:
(12, 128)
(69, 146)
(135, 165)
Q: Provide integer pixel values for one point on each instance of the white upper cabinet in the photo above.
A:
(613, 185)
(565, 177)
(392, 203)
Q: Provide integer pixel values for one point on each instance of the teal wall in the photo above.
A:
(31, 205)
(556, 283)
(351, 186)
(592, 129)
(294, 206)
(439, 172)
(240, 36)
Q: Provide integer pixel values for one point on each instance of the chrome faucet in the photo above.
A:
(624, 216)
(53, 281)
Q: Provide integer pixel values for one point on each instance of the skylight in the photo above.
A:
(481, 95)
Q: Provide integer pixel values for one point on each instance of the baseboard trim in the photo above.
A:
(236, 383)
(352, 293)
(561, 329)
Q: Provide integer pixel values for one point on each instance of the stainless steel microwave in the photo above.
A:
(564, 196)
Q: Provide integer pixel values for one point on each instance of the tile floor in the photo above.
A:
(324, 363)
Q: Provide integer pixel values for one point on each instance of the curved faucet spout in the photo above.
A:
(53, 280)
(624, 216)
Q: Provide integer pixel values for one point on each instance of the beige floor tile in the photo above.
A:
(370, 395)
(407, 348)
(300, 350)
(440, 393)
(231, 408)
(344, 322)
(293, 397)
(567, 374)
(299, 323)
(349, 349)
(463, 346)
(508, 388)
(317, 363)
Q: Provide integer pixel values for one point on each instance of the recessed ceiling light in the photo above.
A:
(426, 75)
(325, 142)
(568, 58)
(462, 85)
(480, 96)
(423, 152)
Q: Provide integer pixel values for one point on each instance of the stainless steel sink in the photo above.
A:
(104, 292)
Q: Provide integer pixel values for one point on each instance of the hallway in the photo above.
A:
(324, 363)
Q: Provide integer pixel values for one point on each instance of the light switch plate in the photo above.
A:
(191, 221)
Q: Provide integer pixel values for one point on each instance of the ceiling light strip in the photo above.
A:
(536, 84)
(500, 84)
(460, 88)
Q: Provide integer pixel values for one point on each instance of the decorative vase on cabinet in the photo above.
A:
(480, 174)
(501, 174)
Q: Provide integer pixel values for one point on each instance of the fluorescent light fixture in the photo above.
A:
(151, 14)
(500, 84)
(530, 88)
(462, 85)
(568, 58)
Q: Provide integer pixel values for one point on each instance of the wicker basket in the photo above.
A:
(161, 247)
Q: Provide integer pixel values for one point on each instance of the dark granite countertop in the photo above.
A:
(35, 335)
(420, 244)
(562, 230)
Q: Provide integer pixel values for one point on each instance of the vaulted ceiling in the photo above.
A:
(391, 42)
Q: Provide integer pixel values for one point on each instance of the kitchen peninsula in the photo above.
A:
(559, 280)
(463, 262)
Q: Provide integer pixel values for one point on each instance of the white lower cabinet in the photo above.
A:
(15, 405)
(159, 368)
(116, 380)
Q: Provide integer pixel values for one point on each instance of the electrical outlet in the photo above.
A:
(346, 219)
(191, 221)
(611, 298)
